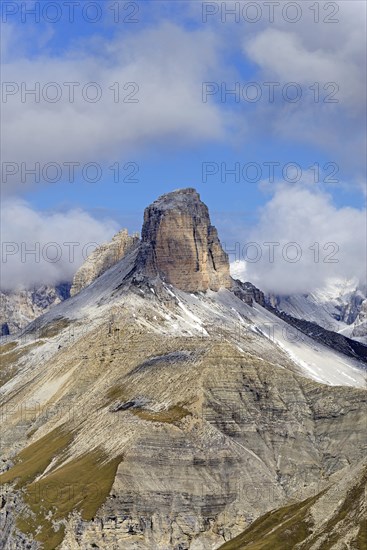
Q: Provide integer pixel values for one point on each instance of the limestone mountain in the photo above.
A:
(19, 307)
(102, 258)
(165, 410)
(338, 306)
(180, 245)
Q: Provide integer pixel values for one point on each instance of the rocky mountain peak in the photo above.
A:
(103, 257)
(180, 245)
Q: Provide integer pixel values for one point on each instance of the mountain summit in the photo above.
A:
(180, 245)
(137, 414)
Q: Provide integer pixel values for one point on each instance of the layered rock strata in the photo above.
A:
(180, 245)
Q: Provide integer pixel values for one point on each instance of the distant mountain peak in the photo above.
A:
(102, 258)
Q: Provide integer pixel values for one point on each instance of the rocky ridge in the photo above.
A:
(360, 323)
(101, 259)
(338, 307)
(19, 308)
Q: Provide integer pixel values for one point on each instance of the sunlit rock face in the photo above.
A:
(181, 246)
(104, 257)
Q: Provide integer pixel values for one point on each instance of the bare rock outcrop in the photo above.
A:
(104, 257)
(19, 307)
(360, 324)
(180, 245)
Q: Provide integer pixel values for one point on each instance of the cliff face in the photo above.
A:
(104, 257)
(180, 245)
(18, 308)
(360, 324)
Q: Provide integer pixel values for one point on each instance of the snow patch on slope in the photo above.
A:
(335, 307)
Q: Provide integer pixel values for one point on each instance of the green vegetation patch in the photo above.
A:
(5, 348)
(34, 459)
(82, 484)
(361, 542)
(169, 416)
(279, 529)
(116, 393)
(44, 532)
(53, 328)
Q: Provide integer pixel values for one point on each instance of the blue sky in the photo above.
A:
(170, 132)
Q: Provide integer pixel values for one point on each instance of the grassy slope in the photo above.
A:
(82, 484)
(277, 530)
(289, 526)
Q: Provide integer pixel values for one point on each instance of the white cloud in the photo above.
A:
(308, 53)
(309, 219)
(168, 64)
(46, 234)
(290, 59)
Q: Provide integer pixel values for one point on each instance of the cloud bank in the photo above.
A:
(46, 248)
(165, 66)
(301, 241)
(307, 53)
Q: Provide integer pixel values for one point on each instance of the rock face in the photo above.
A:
(18, 308)
(248, 292)
(104, 257)
(181, 246)
(360, 324)
(339, 306)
